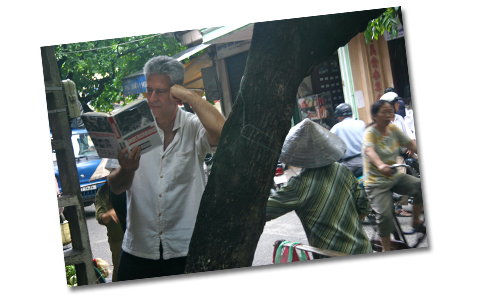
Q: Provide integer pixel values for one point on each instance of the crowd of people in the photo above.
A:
(384, 140)
(326, 196)
(150, 201)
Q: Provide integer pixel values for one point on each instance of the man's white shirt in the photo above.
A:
(401, 123)
(409, 119)
(352, 133)
(163, 201)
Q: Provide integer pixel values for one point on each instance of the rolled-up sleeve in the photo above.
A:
(201, 137)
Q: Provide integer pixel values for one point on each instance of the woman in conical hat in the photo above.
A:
(325, 195)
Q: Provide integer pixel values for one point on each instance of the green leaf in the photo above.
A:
(387, 21)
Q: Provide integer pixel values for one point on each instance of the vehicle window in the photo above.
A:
(83, 145)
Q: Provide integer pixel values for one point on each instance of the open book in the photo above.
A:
(132, 125)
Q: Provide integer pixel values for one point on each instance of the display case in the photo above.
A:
(316, 107)
(328, 79)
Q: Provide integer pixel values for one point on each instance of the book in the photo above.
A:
(132, 125)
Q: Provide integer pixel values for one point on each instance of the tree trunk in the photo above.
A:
(231, 216)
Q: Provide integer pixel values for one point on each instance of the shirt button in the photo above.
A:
(161, 176)
(161, 195)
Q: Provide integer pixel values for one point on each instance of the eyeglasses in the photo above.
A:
(159, 92)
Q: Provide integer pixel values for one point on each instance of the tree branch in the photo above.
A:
(133, 50)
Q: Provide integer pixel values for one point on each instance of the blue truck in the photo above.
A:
(87, 161)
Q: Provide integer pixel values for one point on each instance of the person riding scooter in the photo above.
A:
(351, 131)
(393, 98)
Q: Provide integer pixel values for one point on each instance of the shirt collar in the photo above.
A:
(178, 119)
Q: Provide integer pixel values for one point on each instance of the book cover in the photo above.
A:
(132, 125)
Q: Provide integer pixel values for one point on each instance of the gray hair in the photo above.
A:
(165, 65)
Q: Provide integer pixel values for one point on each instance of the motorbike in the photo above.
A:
(418, 234)
(410, 161)
(413, 171)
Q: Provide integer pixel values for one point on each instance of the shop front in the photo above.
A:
(357, 74)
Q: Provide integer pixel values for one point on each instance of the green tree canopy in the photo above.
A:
(97, 67)
(389, 21)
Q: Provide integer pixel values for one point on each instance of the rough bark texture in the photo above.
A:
(232, 212)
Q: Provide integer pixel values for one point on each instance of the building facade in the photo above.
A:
(357, 73)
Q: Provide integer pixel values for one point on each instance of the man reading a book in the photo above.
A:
(164, 186)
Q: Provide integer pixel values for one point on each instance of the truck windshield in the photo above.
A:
(83, 146)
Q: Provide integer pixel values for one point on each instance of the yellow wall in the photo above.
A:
(362, 71)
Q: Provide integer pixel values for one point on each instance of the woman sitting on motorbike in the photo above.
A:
(382, 141)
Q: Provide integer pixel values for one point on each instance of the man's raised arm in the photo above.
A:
(209, 116)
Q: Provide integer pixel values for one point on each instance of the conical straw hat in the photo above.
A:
(100, 171)
(310, 145)
(104, 168)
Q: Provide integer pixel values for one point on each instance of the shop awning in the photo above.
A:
(227, 34)
(189, 52)
(136, 82)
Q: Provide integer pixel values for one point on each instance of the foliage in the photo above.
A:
(71, 275)
(389, 21)
(97, 67)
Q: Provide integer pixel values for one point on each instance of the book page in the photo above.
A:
(137, 127)
(102, 135)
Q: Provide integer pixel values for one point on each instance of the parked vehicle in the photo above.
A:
(279, 178)
(87, 161)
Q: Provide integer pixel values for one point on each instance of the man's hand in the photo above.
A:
(132, 161)
(180, 95)
(110, 215)
(121, 179)
(113, 215)
(209, 116)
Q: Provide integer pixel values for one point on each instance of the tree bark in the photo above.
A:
(231, 216)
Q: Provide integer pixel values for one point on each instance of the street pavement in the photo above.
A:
(287, 227)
